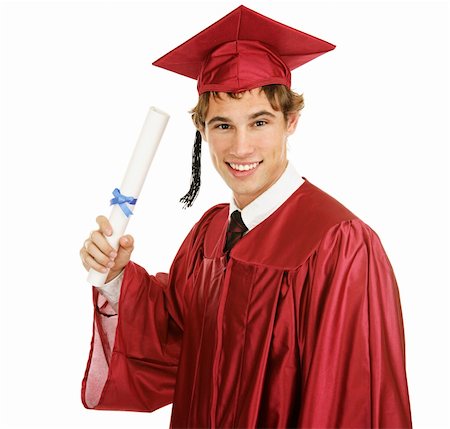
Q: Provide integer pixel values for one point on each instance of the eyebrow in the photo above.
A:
(253, 116)
(262, 113)
(218, 119)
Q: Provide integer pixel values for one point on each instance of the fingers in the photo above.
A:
(105, 226)
(89, 262)
(93, 257)
(98, 254)
(98, 240)
(101, 256)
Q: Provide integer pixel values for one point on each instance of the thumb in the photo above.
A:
(127, 242)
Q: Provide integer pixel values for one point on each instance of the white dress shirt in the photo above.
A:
(252, 214)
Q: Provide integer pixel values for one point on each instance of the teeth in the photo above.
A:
(246, 167)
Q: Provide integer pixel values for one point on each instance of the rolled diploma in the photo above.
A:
(144, 151)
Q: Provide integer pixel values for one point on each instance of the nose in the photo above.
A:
(242, 146)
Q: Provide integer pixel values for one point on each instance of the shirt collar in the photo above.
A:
(269, 201)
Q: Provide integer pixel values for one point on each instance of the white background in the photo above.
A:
(76, 83)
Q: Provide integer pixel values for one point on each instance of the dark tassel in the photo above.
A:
(189, 198)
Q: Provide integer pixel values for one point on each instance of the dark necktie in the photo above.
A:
(236, 230)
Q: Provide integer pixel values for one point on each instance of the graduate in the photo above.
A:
(281, 308)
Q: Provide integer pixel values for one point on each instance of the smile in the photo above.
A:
(243, 167)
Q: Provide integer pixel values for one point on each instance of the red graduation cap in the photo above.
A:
(241, 51)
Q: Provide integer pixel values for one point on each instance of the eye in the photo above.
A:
(260, 123)
(223, 126)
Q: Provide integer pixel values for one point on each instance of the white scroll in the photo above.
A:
(144, 151)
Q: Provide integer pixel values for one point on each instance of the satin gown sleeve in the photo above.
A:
(134, 354)
(351, 337)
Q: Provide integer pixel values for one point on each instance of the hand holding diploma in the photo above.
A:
(99, 255)
(107, 249)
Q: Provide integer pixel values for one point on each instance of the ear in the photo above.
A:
(292, 122)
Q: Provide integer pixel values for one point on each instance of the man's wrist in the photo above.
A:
(113, 274)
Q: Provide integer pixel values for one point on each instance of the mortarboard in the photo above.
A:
(241, 51)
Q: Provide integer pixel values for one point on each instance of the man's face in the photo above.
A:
(247, 142)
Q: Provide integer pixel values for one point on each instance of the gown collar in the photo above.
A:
(269, 201)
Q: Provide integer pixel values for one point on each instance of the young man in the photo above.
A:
(281, 308)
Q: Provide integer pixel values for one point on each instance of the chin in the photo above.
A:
(246, 193)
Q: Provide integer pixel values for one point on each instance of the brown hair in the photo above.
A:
(280, 97)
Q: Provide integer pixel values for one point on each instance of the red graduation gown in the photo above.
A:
(302, 327)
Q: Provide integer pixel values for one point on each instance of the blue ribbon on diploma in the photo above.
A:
(122, 200)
